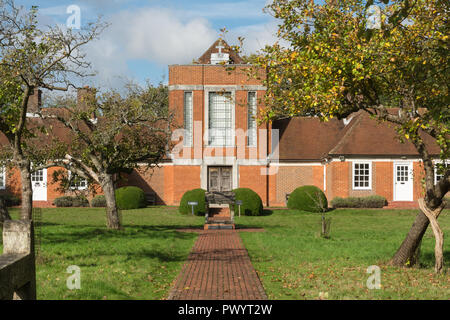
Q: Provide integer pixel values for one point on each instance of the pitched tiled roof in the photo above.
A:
(307, 138)
(234, 57)
(370, 137)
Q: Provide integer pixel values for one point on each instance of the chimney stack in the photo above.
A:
(35, 101)
(84, 95)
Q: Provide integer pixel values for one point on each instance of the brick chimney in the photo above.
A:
(83, 96)
(35, 101)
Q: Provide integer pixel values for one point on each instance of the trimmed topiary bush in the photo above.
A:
(98, 201)
(196, 195)
(308, 198)
(251, 202)
(71, 201)
(130, 198)
(359, 202)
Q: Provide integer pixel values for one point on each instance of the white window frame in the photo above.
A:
(188, 142)
(77, 188)
(217, 90)
(354, 163)
(3, 173)
(447, 164)
(255, 142)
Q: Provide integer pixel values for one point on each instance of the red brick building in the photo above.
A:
(220, 146)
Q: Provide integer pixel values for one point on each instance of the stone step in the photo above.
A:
(226, 221)
(219, 226)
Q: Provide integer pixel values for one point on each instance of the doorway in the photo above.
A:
(220, 179)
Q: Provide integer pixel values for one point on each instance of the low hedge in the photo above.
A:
(71, 201)
(359, 202)
(130, 198)
(308, 198)
(10, 199)
(98, 201)
(196, 195)
(251, 202)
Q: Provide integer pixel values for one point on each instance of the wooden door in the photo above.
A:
(219, 179)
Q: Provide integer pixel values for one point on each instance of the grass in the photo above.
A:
(294, 262)
(140, 262)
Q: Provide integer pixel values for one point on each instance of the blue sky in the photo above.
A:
(146, 36)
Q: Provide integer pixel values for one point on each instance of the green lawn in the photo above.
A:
(138, 263)
(292, 260)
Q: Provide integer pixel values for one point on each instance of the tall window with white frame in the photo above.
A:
(220, 122)
(251, 119)
(188, 119)
(362, 175)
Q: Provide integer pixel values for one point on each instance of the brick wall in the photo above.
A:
(251, 177)
(290, 178)
(338, 180)
(150, 180)
(418, 176)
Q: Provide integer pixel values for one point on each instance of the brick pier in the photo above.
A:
(218, 268)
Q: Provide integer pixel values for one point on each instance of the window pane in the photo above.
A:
(361, 175)
(251, 119)
(188, 121)
(220, 122)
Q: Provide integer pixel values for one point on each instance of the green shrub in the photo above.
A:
(130, 198)
(80, 201)
(308, 198)
(65, 201)
(359, 202)
(251, 202)
(98, 201)
(10, 199)
(196, 195)
(71, 201)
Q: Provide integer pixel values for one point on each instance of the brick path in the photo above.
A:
(218, 268)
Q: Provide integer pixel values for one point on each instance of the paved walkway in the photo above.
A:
(218, 268)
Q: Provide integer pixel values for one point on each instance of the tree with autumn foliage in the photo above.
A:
(335, 62)
(97, 136)
(33, 57)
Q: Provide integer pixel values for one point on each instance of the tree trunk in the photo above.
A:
(26, 212)
(406, 253)
(4, 214)
(112, 213)
(432, 215)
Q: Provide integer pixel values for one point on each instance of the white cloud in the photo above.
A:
(153, 34)
(256, 36)
(164, 36)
